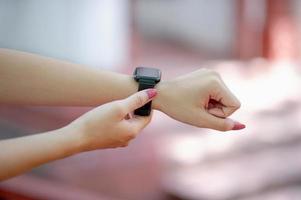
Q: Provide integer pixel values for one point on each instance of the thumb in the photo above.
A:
(137, 123)
(223, 124)
(139, 99)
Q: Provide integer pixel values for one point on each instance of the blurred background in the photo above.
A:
(254, 45)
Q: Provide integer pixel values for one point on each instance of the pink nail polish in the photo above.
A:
(151, 93)
(238, 126)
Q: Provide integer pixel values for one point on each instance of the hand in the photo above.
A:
(111, 125)
(199, 98)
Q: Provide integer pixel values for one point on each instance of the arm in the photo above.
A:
(35, 80)
(107, 126)
(199, 98)
(24, 153)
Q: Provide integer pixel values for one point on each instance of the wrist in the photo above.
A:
(162, 90)
(74, 141)
(133, 88)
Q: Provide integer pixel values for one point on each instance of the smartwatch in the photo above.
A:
(146, 78)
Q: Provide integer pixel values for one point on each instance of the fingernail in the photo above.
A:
(151, 93)
(238, 126)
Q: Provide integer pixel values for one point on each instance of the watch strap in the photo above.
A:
(146, 109)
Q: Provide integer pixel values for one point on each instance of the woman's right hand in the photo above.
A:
(111, 125)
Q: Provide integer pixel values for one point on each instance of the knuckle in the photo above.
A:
(204, 70)
(214, 81)
(212, 72)
(139, 100)
(236, 105)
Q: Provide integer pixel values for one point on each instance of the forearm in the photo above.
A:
(22, 154)
(35, 80)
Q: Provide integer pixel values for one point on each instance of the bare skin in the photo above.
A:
(199, 98)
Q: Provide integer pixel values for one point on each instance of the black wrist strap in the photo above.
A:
(146, 109)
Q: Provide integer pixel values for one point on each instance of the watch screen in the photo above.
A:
(148, 72)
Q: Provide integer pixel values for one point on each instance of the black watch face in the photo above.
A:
(144, 72)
